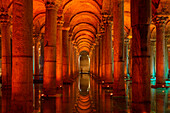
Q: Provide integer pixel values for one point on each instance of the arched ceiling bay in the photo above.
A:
(83, 17)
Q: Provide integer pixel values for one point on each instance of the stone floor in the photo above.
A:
(86, 96)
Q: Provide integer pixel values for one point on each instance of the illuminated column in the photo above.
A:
(6, 50)
(77, 66)
(69, 57)
(166, 58)
(22, 57)
(73, 57)
(6, 101)
(152, 57)
(141, 18)
(91, 59)
(160, 51)
(36, 61)
(49, 76)
(126, 68)
(97, 58)
(71, 52)
(42, 55)
(118, 17)
(94, 62)
(108, 48)
(59, 57)
(130, 58)
(76, 62)
(100, 53)
(103, 58)
(65, 53)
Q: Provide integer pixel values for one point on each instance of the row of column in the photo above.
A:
(59, 52)
(102, 54)
(58, 59)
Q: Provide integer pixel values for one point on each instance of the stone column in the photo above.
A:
(130, 58)
(6, 50)
(22, 57)
(108, 48)
(94, 62)
(97, 58)
(77, 52)
(6, 101)
(91, 59)
(160, 51)
(49, 76)
(126, 56)
(166, 58)
(65, 54)
(103, 58)
(71, 52)
(59, 57)
(152, 57)
(69, 57)
(36, 59)
(42, 56)
(100, 57)
(118, 17)
(141, 18)
(73, 59)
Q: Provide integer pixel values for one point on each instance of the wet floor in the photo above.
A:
(86, 96)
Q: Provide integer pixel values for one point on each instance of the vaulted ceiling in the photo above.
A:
(83, 17)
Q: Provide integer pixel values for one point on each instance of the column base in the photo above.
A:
(36, 76)
(68, 81)
(160, 86)
(49, 91)
(107, 85)
(6, 87)
(118, 93)
(118, 90)
(51, 96)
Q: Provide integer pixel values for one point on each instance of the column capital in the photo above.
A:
(70, 34)
(167, 37)
(160, 20)
(4, 18)
(60, 21)
(126, 40)
(153, 40)
(66, 28)
(96, 42)
(92, 47)
(107, 18)
(51, 5)
(98, 35)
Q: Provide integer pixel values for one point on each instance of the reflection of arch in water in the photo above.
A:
(84, 62)
(84, 102)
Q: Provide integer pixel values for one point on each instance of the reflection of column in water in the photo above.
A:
(97, 98)
(100, 99)
(108, 103)
(88, 84)
(103, 101)
(119, 105)
(59, 104)
(161, 100)
(49, 105)
(153, 100)
(66, 99)
(36, 96)
(6, 101)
